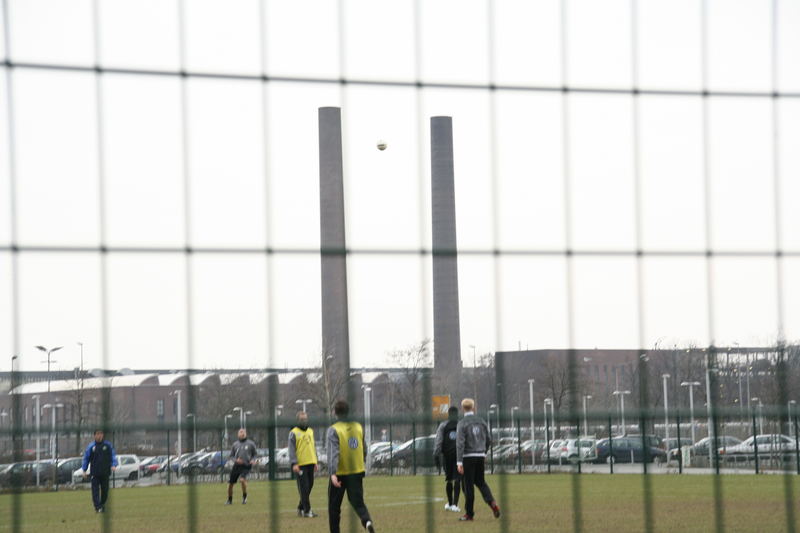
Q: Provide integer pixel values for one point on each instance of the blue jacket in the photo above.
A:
(101, 456)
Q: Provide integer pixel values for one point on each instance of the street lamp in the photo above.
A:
(494, 409)
(38, 434)
(178, 417)
(691, 385)
(665, 377)
(515, 408)
(547, 401)
(244, 420)
(530, 399)
(194, 431)
(789, 416)
(225, 421)
(241, 416)
(474, 373)
(48, 352)
(621, 395)
(367, 416)
(760, 415)
(277, 412)
(585, 418)
(52, 408)
(304, 402)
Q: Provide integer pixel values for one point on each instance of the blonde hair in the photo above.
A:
(468, 404)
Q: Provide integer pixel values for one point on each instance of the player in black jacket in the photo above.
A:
(100, 460)
(445, 445)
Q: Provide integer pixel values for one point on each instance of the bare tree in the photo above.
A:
(415, 362)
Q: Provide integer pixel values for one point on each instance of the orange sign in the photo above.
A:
(440, 405)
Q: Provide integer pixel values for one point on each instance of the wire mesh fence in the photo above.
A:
(725, 432)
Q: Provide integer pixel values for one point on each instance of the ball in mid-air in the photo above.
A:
(382, 145)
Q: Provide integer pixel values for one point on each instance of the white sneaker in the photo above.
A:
(447, 507)
(455, 508)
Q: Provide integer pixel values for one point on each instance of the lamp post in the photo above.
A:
(241, 416)
(277, 412)
(585, 417)
(178, 417)
(49, 360)
(547, 401)
(194, 431)
(474, 374)
(513, 409)
(244, 420)
(225, 434)
(304, 402)
(621, 395)
(665, 377)
(789, 416)
(52, 407)
(530, 399)
(760, 415)
(691, 385)
(38, 435)
(493, 409)
(367, 416)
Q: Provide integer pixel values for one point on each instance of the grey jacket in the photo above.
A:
(244, 450)
(472, 438)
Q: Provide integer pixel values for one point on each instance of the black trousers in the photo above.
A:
(354, 486)
(99, 491)
(305, 482)
(473, 477)
(452, 477)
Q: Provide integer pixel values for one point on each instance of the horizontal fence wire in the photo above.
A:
(612, 435)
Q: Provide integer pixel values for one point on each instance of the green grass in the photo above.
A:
(529, 502)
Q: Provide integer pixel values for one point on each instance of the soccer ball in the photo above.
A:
(381, 145)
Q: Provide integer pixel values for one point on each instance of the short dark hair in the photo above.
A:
(99, 430)
(453, 410)
(340, 408)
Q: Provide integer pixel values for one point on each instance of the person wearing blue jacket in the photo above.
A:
(102, 459)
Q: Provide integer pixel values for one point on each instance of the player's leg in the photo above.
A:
(309, 487)
(104, 486)
(469, 487)
(299, 480)
(486, 492)
(243, 481)
(335, 497)
(355, 495)
(232, 482)
(96, 492)
(454, 477)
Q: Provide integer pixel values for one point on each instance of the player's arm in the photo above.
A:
(87, 456)
(293, 452)
(332, 441)
(114, 462)
(437, 444)
(461, 435)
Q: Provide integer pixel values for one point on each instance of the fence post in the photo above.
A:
(519, 448)
(610, 448)
(547, 440)
(796, 446)
(169, 460)
(414, 448)
(391, 451)
(755, 442)
(680, 448)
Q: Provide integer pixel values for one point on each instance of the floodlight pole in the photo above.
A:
(241, 416)
(691, 385)
(178, 417)
(49, 360)
(225, 421)
(621, 395)
(665, 377)
(38, 435)
(585, 417)
(530, 398)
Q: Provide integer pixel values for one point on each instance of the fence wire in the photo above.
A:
(564, 424)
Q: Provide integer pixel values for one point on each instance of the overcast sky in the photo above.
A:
(252, 187)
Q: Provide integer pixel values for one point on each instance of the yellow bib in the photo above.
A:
(304, 441)
(351, 448)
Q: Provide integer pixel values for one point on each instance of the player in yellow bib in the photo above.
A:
(303, 457)
(346, 455)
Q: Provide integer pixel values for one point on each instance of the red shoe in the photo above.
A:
(495, 509)
(466, 518)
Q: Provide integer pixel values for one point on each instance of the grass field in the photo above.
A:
(530, 503)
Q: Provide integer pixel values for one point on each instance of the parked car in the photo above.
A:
(128, 469)
(66, 467)
(572, 452)
(417, 451)
(672, 443)
(150, 466)
(725, 442)
(627, 450)
(767, 444)
(554, 453)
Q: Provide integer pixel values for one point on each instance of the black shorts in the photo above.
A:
(450, 467)
(239, 471)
